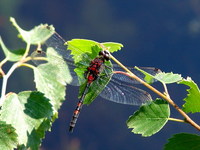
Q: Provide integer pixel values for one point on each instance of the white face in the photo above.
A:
(106, 54)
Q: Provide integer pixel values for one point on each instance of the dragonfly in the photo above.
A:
(120, 87)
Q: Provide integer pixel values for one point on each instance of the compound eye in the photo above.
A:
(107, 57)
(101, 53)
(106, 52)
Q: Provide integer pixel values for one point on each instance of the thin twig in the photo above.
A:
(1, 64)
(5, 80)
(27, 51)
(11, 70)
(27, 65)
(177, 120)
(169, 100)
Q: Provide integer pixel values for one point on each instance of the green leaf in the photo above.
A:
(37, 35)
(79, 47)
(15, 55)
(193, 98)
(27, 112)
(112, 46)
(183, 141)
(149, 119)
(82, 46)
(8, 137)
(35, 136)
(168, 78)
(51, 78)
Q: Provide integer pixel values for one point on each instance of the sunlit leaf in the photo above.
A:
(112, 46)
(183, 141)
(8, 137)
(79, 47)
(192, 101)
(51, 78)
(82, 46)
(168, 78)
(29, 113)
(149, 119)
(14, 55)
(37, 35)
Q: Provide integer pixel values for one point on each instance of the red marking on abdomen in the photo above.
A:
(76, 112)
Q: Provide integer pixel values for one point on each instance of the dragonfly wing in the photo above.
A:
(120, 77)
(125, 94)
(58, 43)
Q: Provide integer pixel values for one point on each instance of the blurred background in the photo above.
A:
(162, 34)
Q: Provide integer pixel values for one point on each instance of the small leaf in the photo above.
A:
(15, 55)
(183, 141)
(81, 48)
(8, 137)
(27, 112)
(37, 35)
(168, 78)
(193, 98)
(51, 78)
(112, 46)
(149, 119)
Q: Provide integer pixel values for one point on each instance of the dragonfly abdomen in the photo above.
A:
(75, 115)
(78, 109)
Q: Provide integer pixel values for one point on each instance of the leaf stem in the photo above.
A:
(178, 120)
(165, 88)
(1, 64)
(27, 65)
(27, 51)
(169, 100)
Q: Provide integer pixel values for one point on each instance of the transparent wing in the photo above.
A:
(125, 94)
(57, 43)
(128, 80)
(120, 89)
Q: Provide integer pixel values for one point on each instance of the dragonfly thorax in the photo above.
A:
(94, 69)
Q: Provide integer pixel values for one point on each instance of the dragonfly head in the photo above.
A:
(105, 54)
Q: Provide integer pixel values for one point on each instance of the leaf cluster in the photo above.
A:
(26, 116)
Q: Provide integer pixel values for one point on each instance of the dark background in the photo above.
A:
(163, 34)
